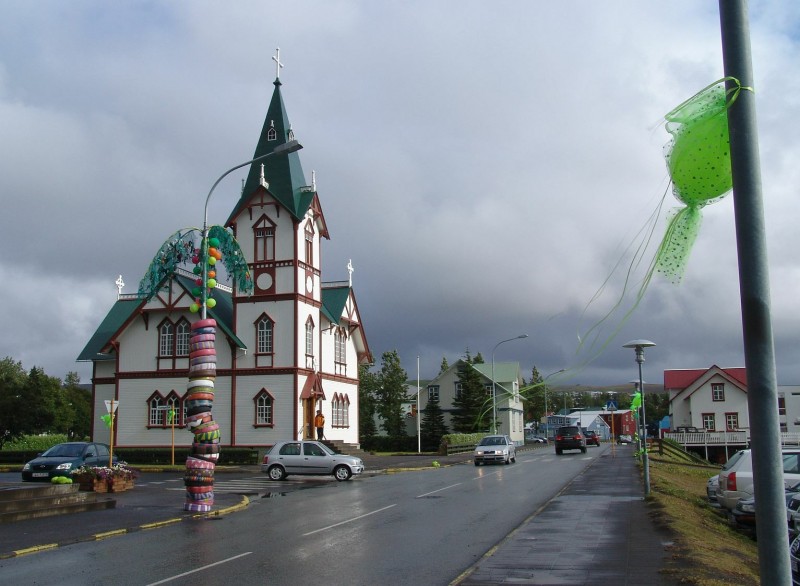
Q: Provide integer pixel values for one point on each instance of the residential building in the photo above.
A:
(508, 405)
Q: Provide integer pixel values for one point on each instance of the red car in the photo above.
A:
(592, 439)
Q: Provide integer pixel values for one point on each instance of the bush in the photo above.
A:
(383, 443)
(35, 443)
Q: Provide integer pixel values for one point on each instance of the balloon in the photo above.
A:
(212, 261)
(194, 308)
(217, 254)
(211, 302)
(213, 242)
(198, 281)
(196, 291)
(212, 274)
(195, 259)
(212, 252)
(197, 270)
(212, 283)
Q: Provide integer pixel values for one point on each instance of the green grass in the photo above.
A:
(706, 550)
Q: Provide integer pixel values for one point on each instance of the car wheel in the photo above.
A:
(276, 473)
(507, 461)
(558, 452)
(583, 450)
(342, 473)
(514, 460)
(476, 462)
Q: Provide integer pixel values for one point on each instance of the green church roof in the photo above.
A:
(283, 173)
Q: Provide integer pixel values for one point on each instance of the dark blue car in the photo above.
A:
(62, 459)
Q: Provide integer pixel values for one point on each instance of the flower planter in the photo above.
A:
(100, 485)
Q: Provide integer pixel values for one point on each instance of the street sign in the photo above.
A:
(109, 404)
(611, 406)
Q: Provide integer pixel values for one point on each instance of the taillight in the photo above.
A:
(579, 436)
(731, 484)
(265, 460)
(559, 438)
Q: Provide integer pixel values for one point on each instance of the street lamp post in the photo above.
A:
(639, 346)
(494, 386)
(281, 149)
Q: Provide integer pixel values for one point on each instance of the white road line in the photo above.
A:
(348, 521)
(435, 491)
(165, 580)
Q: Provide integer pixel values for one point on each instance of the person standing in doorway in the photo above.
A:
(319, 423)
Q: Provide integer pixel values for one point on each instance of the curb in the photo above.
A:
(116, 532)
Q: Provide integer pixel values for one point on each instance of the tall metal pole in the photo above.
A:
(639, 346)
(759, 351)
(419, 434)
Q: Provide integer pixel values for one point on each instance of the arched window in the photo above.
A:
(309, 337)
(264, 409)
(264, 335)
(271, 134)
(166, 339)
(340, 351)
(264, 240)
(345, 411)
(309, 234)
(174, 410)
(182, 334)
(335, 412)
(155, 410)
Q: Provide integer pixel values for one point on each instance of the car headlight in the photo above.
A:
(26, 467)
(747, 507)
(64, 466)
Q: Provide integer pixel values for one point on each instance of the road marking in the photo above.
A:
(348, 521)
(190, 572)
(435, 491)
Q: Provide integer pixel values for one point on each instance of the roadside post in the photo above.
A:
(111, 407)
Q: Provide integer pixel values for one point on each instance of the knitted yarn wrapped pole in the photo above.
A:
(199, 475)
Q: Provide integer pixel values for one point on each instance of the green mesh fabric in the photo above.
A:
(178, 250)
(699, 162)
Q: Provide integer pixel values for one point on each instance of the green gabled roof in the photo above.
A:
(119, 313)
(504, 372)
(284, 173)
(333, 300)
(123, 309)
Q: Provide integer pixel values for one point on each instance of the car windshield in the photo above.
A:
(64, 451)
(735, 458)
(492, 441)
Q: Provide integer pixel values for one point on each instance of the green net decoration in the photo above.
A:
(177, 249)
(699, 162)
(180, 248)
(233, 259)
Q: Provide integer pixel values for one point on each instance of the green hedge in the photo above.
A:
(460, 439)
(382, 443)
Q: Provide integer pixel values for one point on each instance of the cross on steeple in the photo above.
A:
(350, 270)
(277, 59)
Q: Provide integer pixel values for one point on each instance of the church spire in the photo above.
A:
(284, 174)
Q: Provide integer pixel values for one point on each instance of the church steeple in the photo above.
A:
(284, 173)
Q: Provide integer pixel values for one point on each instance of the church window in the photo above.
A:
(309, 337)
(265, 408)
(335, 411)
(271, 134)
(264, 239)
(174, 411)
(166, 338)
(309, 233)
(340, 351)
(264, 333)
(155, 407)
(346, 412)
(182, 334)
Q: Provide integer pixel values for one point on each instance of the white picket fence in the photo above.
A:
(724, 438)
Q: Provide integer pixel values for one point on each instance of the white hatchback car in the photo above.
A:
(736, 477)
(495, 449)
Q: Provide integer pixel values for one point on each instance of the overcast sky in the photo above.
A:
(483, 164)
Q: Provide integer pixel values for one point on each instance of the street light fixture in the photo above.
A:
(494, 386)
(639, 346)
(281, 149)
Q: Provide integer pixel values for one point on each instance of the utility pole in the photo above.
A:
(759, 350)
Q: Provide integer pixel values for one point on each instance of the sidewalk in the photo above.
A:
(598, 530)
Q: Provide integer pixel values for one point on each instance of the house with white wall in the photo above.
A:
(711, 399)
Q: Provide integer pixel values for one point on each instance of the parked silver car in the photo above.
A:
(736, 476)
(495, 449)
(308, 457)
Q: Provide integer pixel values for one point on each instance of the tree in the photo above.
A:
(368, 386)
(472, 404)
(12, 381)
(478, 359)
(444, 366)
(534, 397)
(391, 394)
(79, 401)
(432, 426)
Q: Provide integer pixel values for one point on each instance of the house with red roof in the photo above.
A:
(710, 399)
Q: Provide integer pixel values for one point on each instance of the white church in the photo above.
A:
(291, 347)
